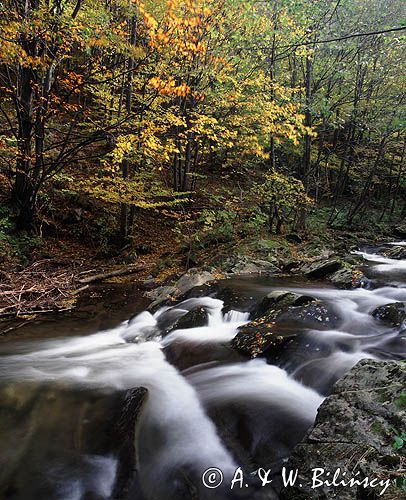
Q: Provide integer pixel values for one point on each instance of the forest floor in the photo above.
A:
(76, 248)
(58, 269)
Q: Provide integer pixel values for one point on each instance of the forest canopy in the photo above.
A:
(207, 111)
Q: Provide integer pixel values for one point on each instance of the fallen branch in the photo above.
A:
(97, 278)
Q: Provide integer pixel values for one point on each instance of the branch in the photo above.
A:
(345, 37)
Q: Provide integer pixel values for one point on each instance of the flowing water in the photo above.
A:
(207, 406)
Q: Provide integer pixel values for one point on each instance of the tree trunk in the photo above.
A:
(125, 166)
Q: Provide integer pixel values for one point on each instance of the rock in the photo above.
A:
(395, 252)
(246, 265)
(124, 432)
(316, 314)
(193, 278)
(321, 269)
(291, 265)
(260, 335)
(131, 257)
(235, 299)
(277, 301)
(255, 338)
(194, 318)
(348, 278)
(143, 249)
(354, 432)
(392, 314)
(149, 283)
(400, 231)
(161, 294)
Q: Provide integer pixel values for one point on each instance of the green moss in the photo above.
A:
(272, 244)
(378, 428)
(401, 401)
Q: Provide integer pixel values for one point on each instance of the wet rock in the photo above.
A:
(392, 314)
(316, 314)
(124, 433)
(261, 335)
(193, 278)
(353, 432)
(184, 355)
(400, 231)
(235, 299)
(277, 301)
(194, 318)
(255, 338)
(348, 278)
(395, 252)
(321, 269)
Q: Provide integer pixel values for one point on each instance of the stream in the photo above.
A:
(62, 382)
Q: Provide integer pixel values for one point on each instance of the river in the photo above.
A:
(61, 384)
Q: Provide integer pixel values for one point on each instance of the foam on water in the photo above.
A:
(384, 264)
(175, 429)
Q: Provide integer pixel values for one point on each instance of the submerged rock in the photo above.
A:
(321, 269)
(392, 314)
(354, 432)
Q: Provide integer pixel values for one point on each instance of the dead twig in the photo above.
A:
(97, 278)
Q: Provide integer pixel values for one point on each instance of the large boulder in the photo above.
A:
(354, 434)
(395, 252)
(247, 265)
(193, 278)
(400, 231)
(316, 314)
(194, 318)
(348, 278)
(277, 301)
(255, 338)
(124, 433)
(393, 314)
(260, 334)
(321, 269)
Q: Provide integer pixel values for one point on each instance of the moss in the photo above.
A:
(401, 401)
(272, 244)
(378, 428)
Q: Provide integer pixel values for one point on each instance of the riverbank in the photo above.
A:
(51, 276)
